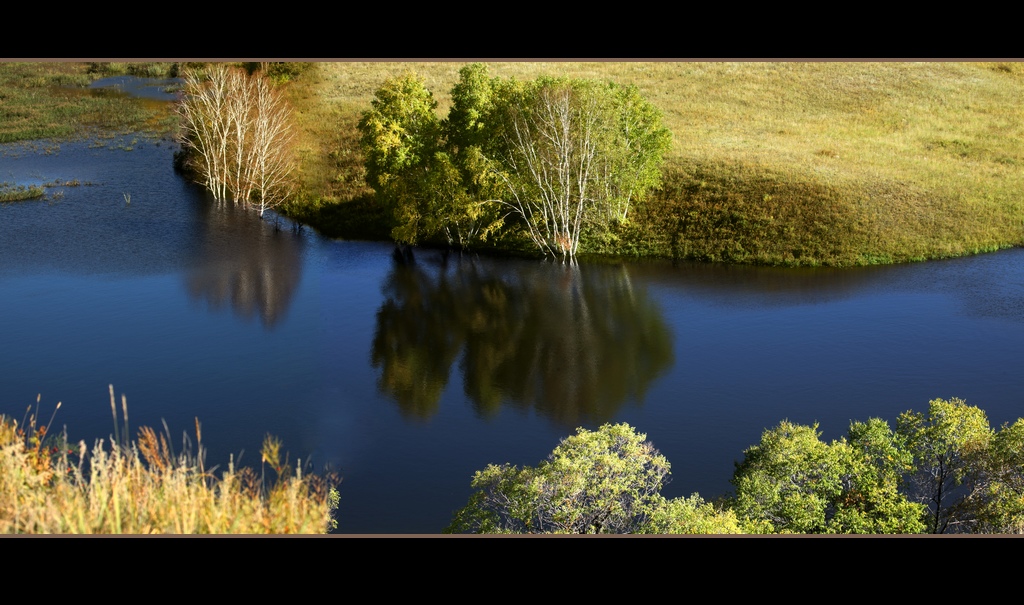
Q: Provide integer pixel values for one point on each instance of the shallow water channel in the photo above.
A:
(407, 379)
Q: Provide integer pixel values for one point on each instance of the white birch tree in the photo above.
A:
(205, 127)
(270, 159)
(573, 154)
(235, 131)
(552, 142)
(240, 119)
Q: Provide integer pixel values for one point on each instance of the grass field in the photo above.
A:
(773, 163)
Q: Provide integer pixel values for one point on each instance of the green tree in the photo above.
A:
(873, 499)
(947, 444)
(452, 208)
(691, 515)
(792, 482)
(432, 187)
(573, 154)
(399, 136)
(637, 151)
(472, 103)
(604, 481)
(996, 502)
(785, 483)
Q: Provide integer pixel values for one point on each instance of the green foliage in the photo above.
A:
(691, 515)
(573, 154)
(399, 132)
(636, 151)
(431, 186)
(785, 483)
(873, 500)
(792, 482)
(948, 444)
(998, 500)
(556, 153)
(472, 102)
(605, 481)
(451, 208)
(594, 482)
(279, 71)
(399, 138)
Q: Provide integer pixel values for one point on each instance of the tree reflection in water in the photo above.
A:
(573, 342)
(247, 262)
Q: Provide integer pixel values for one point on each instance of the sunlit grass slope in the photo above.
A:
(776, 163)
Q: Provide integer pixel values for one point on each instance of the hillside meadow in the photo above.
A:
(772, 163)
(780, 163)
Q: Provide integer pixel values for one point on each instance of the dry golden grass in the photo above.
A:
(142, 487)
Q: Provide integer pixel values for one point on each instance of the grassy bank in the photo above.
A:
(52, 100)
(773, 163)
(142, 486)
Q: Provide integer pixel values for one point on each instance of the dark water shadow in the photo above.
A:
(990, 285)
(571, 343)
(252, 265)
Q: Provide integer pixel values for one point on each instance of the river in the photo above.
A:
(407, 379)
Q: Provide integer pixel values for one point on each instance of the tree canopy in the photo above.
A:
(604, 481)
(997, 500)
(943, 471)
(792, 482)
(950, 446)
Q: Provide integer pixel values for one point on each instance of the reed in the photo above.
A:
(141, 486)
(17, 193)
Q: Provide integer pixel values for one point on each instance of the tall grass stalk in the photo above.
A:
(141, 487)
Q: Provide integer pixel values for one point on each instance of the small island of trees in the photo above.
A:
(552, 157)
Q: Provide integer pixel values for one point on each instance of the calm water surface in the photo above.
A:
(408, 379)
